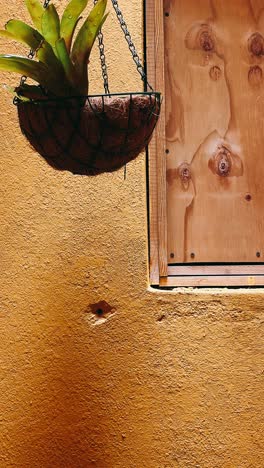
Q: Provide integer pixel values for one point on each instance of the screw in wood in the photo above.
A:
(172, 255)
(258, 254)
(248, 197)
(167, 151)
(192, 255)
(167, 13)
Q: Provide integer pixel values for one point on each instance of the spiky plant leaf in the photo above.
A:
(67, 64)
(24, 33)
(85, 39)
(70, 19)
(38, 71)
(20, 31)
(7, 34)
(27, 92)
(46, 55)
(12, 90)
(86, 36)
(50, 25)
(36, 10)
(57, 71)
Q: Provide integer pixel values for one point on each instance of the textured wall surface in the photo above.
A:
(97, 370)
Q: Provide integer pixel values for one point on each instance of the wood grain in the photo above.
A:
(199, 270)
(160, 139)
(212, 281)
(214, 69)
(157, 162)
(152, 151)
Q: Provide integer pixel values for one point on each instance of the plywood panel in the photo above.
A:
(214, 130)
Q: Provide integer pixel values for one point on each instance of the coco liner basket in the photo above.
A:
(93, 134)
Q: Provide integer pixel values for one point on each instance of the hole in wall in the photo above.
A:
(100, 311)
(161, 318)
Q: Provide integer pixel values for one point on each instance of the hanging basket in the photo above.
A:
(92, 134)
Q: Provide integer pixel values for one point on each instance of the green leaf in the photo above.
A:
(67, 64)
(46, 55)
(85, 40)
(36, 70)
(36, 10)
(27, 92)
(24, 33)
(7, 34)
(51, 25)
(12, 90)
(14, 63)
(70, 19)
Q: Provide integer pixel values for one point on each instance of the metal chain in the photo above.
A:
(23, 78)
(102, 58)
(128, 38)
(30, 55)
(131, 45)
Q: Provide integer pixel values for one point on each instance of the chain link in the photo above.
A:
(30, 55)
(128, 38)
(131, 45)
(102, 58)
(23, 78)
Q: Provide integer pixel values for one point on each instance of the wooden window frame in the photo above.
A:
(162, 274)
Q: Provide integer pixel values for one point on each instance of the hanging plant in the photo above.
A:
(70, 129)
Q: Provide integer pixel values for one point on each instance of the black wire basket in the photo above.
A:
(89, 135)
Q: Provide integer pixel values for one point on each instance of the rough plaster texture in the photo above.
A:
(144, 378)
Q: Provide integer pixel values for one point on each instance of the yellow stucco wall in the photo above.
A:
(163, 379)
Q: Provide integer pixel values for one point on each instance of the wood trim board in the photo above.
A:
(215, 270)
(214, 281)
(156, 150)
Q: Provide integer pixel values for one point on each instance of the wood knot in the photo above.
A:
(221, 163)
(206, 41)
(215, 73)
(256, 44)
(185, 172)
(255, 75)
(225, 163)
(201, 37)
